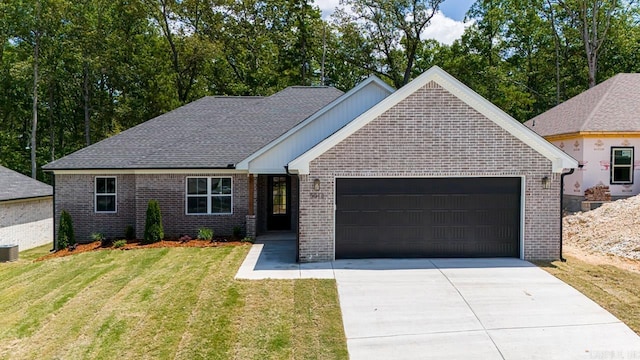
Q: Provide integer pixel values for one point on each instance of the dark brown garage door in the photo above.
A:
(417, 217)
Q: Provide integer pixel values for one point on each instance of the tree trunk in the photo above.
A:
(556, 43)
(52, 138)
(87, 123)
(34, 125)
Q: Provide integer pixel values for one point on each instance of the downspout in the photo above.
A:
(562, 206)
(53, 183)
(286, 168)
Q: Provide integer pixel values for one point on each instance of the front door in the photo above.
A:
(279, 204)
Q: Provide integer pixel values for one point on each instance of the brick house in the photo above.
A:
(26, 211)
(431, 169)
(601, 129)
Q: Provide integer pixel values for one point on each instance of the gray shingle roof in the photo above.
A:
(613, 105)
(14, 186)
(212, 132)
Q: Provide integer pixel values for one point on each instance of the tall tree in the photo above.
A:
(181, 24)
(593, 18)
(392, 29)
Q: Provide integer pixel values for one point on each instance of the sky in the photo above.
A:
(446, 26)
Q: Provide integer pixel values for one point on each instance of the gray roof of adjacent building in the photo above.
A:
(15, 186)
(611, 106)
(212, 132)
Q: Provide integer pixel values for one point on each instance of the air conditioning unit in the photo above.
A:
(8, 253)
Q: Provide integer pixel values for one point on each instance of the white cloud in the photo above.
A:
(444, 29)
(441, 28)
(327, 7)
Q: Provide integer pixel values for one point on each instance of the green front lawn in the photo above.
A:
(178, 303)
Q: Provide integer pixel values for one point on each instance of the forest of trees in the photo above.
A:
(73, 72)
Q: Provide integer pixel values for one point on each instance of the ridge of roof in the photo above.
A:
(233, 97)
(211, 132)
(613, 81)
(610, 106)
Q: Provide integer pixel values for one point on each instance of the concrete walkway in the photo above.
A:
(273, 256)
(455, 308)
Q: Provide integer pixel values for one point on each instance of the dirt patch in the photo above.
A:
(137, 244)
(612, 229)
(603, 259)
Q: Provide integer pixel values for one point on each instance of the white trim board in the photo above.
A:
(523, 186)
(148, 171)
(558, 158)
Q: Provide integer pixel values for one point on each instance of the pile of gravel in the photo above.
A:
(613, 228)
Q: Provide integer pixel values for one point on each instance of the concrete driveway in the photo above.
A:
(454, 308)
(472, 309)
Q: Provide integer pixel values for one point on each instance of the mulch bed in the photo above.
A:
(137, 244)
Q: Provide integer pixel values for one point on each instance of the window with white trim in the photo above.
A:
(621, 165)
(209, 195)
(105, 194)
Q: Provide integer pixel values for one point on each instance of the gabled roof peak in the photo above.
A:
(559, 159)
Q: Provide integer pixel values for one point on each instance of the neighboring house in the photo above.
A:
(601, 129)
(26, 211)
(432, 169)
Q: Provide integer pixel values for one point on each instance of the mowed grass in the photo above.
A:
(178, 303)
(613, 288)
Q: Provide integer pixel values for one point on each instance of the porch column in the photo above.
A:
(251, 191)
(250, 224)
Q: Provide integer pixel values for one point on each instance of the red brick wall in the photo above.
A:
(75, 193)
(430, 133)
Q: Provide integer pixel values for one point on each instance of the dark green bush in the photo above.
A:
(153, 231)
(248, 239)
(129, 232)
(237, 232)
(66, 236)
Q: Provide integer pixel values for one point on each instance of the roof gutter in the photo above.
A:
(228, 166)
(30, 198)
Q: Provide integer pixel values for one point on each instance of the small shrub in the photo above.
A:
(205, 234)
(119, 243)
(248, 239)
(153, 231)
(129, 232)
(96, 236)
(185, 238)
(237, 232)
(66, 236)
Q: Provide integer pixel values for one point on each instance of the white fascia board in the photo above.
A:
(145, 171)
(372, 79)
(28, 199)
(559, 159)
(279, 171)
